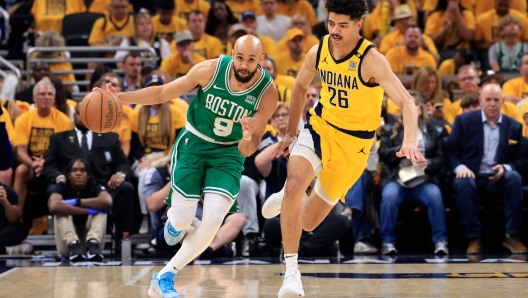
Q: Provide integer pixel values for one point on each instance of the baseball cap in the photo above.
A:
(154, 79)
(184, 35)
(235, 28)
(293, 32)
(402, 11)
(247, 13)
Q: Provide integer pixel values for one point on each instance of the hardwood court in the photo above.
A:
(320, 280)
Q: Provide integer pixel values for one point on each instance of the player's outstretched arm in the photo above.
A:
(200, 74)
(298, 99)
(253, 127)
(379, 69)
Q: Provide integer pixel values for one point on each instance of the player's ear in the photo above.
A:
(233, 52)
(261, 58)
(359, 24)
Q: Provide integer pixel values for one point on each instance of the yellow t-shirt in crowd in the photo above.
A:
(430, 5)
(176, 25)
(483, 6)
(238, 8)
(35, 131)
(488, 22)
(286, 66)
(48, 15)
(64, 77)
(183, 8)
(123, 130)
(392, 39)
(380, 18)
(153, 141)
(285, 81)
(299, 7)
(447, 67)
(516, 87)
(103, 7)
(284, 93)
(400, 60)
(435, 24)
(175, 67)
(309, 42)
(508, 109)
(181, 104)
(106, 28)
(208, 47)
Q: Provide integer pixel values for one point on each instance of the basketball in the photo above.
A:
(101, 111)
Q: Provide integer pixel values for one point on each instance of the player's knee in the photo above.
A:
(238, 220)
(180, 218)
(293, 188)
(309, 224)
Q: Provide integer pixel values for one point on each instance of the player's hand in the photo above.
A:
(465, 173)
(283, 146)
(500, 172)
(248, 126)
(410, 152)
(115, 181)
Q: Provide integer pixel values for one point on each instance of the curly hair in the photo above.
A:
(355, 9)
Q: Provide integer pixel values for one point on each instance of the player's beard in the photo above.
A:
(245, 79)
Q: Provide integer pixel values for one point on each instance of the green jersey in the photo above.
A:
(215, 109)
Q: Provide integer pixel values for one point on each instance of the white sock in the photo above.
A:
(291, 262)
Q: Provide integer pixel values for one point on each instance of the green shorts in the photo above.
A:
(199, 166)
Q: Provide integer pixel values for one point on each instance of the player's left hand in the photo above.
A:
(248, 126)
(410, 152)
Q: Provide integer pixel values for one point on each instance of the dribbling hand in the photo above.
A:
(283, 146)
(410, 152)
(108, 87)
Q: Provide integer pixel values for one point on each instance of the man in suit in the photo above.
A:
(109, 166)
(485, 151)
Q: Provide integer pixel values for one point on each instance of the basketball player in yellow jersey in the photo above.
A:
(340, 129)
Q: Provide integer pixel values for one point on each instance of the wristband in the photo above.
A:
(247, 139)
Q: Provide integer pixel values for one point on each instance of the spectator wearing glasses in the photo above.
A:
(484, 152)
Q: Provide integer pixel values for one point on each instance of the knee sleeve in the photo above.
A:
(215, 208)
(182, 211)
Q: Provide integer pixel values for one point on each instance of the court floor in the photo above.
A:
(358, 277)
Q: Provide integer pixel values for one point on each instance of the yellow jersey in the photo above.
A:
(347, 101)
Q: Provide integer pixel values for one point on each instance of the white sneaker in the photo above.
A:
(364, 248)
(144, 226)
(292, 286)
(272, 206)
(441, 248)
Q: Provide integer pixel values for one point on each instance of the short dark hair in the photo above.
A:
(355, 9)
(267, 57)
(84, 162)
(131, 55)
(469, 100)
(194, 12)
(165, 4)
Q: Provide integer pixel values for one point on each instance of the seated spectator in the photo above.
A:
(101, 6)
(32, 137)
(249, 20)
(12, 231)
(184, 7)
(38, 71)
(180, 62)
(468, 81)
(219, 21)
(235, 32)
(484, 6)
(490, 172)
(452, 65)
(470, 103)
(429, 6)
(79, 207)
(357, 206)
(11, 107)
(284, 92)
(180, 103)
(409, 56)
(131, 68)
(298, 21)
(238, 7)
(165, 23)
(205, 45)
(401, 179)
(156, 189)
(54, 39)
(97, 74)
(61, 102)
(403, 19)
(6, 150)
(108, 164)
(289, 62)
(514, 90)
(48, 15)
(450, 25)
(506, 55)
(487, 32)
(145, 37)
(271, 23)
(290, 8)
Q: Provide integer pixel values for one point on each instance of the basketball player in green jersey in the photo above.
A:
(225, 122)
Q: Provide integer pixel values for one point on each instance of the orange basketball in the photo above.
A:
(101, 111)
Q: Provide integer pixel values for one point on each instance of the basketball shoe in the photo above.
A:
(171, 235)
(292, 285)
(163, 287)
(272, 206)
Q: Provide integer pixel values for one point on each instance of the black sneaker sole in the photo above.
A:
(77, 258)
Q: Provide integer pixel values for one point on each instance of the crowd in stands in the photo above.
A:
(465, 63)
